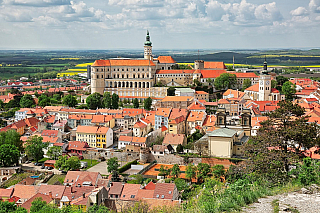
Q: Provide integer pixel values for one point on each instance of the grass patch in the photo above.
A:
(275, 205)
(94, 162)
(56, 178)
(16, 178)
(42, 160)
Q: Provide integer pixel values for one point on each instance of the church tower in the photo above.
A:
(148, 47)
(264, 83)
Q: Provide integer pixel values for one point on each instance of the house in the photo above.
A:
(174, 140)
(162, 117)
(104, 137)
(60, 125)
(184, 92)
(166, 191)
(201, 95)
(115, 190)
(77, 147)
(177, 121)
(82, 178)
(5, 194)
(46, 198)
(87, 134)
(141, 128)
(103, 120)
(49, 163)
(197, 106)
(175, 102)
(195, 119)
(55, 191)
(95, 197)
(130, 192)
(24, 192)
(123, 141)
(209, 123)
(71, 193)
(161, 150)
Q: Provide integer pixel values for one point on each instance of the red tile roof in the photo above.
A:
(50, 133)
(197, 106)
(245, 75)
(116, 188)
(164, 190)
(150, 186)
(254, 88)
(173, 139)
(28, 203)
(75, 192)
(78, 145)
(79, 177)
(166, 60)
(214, 65)
(130, 191)
(123, 62)
(6, 193)
(211, 73)
(25, 191)
(56, 190)
(32, 121)
(125, 138)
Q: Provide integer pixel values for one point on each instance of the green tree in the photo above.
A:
(2, 105)
(274, 83)
(164, 171)
(8, 207)
(27, 101)
(171, 91)
(281, 80)
(70, 101)
(288, 89)
(147, 103)
(107, 100)
(11, 137)
(197, 82)
(209, 81)
(191, 171)
(246, 83)
(66, 164)
(179, 148)
(225, 81)
(113, 164)
(115, 101)
(203, 171)
(9, 155)
(44, 100)
(57, 97)
(180, 184)
(54, 152)
(277, 146)
(175, 170)
(34, 147)
(135, 103)
(37, 205)
(218, 171)
(94, 101)
(98, 209)
(82, 106)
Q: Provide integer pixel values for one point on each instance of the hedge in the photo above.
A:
(127, 166)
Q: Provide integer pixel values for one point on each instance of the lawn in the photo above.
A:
(94, 162)
(41, 160)
(56, 178)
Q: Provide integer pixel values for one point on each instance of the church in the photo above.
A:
(130, 78)
(263, 91)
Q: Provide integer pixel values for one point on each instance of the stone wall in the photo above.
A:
(167, 159)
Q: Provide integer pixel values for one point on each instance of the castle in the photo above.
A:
(130, 77)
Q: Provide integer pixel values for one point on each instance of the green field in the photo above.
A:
(56, 178)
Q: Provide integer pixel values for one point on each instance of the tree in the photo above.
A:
(179, 148)
(54, 152)
(8, 207)
(246, 83)
(209, 81)
(147, 103)
(98, 209)
(113, 164)
(27, 101)
(274, 83)
(225, 81)
(203, 171)
(44, 100)
(175, 170)
(37, 205)
(115, 101)
(11, 137)
(135, 103)
(180, 184)
(171, 91)
(70, 101)
(218, 171)
(34, 147)
(191, 171)
(2, 105)
(164, 171)
(9, 155)
(94, 101)
(197, 82)
(288, 89)
(66, 164)
(281, 80)
(277, 146)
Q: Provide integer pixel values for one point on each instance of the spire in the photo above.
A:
(148, 42)
(265, 65)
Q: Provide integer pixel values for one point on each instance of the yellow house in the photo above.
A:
(104, 137)
(87, 134)
(103, 120)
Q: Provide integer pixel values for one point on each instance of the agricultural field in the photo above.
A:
(79, 68)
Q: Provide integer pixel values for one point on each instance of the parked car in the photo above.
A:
(64, 172)
(36, 164)
(50, 167)
(39, 164)
(42, 167)
(46, 167)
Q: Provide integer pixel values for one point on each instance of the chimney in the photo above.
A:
(50, 194)
(84, 195)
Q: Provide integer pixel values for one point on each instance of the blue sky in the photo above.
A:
(173, 24)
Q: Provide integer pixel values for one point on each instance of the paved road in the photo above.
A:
(100, 167)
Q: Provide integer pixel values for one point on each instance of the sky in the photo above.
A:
(173, 24)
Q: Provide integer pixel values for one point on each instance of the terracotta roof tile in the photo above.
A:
(214, 65)
(25, 191)
(28, 203)
(173, 139)
(164, 190)
(166, 60)
(130, 191)
(211, 73)
(115, 188)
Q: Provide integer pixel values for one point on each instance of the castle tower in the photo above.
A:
(264, 83)
(97, 79)
(148, 47)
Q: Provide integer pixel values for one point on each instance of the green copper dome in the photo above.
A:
(148, 42)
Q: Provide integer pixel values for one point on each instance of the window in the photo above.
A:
(132, 196)
(124, 196)
(162, 196)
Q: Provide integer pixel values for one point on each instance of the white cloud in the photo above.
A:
(300, 11)
(314, 6)
(36, 3)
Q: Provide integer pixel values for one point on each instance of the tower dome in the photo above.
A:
(148, 42)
